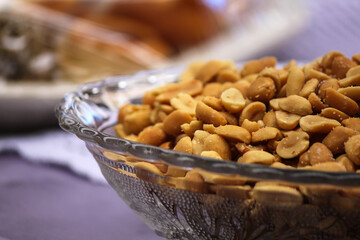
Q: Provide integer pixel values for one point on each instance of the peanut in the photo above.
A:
(242, 86)
(287, 121)
(273, 74)
(234, 133)
(351, 92)
(210, 154)
(230, 118)
(296, 105)
(239, 192)
(328, 167)
(325, 84)
(213, 102)
(152, 135)
(317, 124)
(266, 133)
(353, 123)
(184, 102)
(173, 122)
(276, 194)
(211, 69)
(259, 157)
(356, 58)
(270, 119)
(309, 87)
(190, 128)
(328, 58)
(262, 89)
(254, 111)
(352, 149)
(209, 128)
(257, 66)
(319, 153)
(354, 71)
(212, 89)
(336, 139)
(346, 162)
(293, 145)
(341, 65)
(184, 145)
(316, 104)
(295, 81)
(232, 100)
(227, 75)
(136, 121)
(312, 73)
(250, 126)
(209, 115)
(218, 144)
(167, 92)
(190, 71)
(341, 102)
(334, 113)
(198, 141)
(350, 81)
(274, 103)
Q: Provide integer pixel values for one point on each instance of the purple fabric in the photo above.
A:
(46, 202)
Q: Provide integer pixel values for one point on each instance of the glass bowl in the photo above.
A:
(216, 199)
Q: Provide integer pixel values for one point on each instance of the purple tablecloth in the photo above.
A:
(47, 202)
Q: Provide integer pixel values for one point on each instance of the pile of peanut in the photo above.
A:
(291, 117)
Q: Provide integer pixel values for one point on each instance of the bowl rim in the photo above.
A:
(70, 122)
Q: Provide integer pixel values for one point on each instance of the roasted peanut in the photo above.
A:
(341, 65)
(148, 167)
(281, 165)
(352, 149)
(316, 103)
(211, 69)
(317, 124)
(230, 118)
(266, 133)
(137, 120)
(312, 73)
(350, 81)
(239, 192)
(222, 179)
(304, 160)
(213, 102)
(234, 133)
(250, 126)
(227, 75)
(167, 92)
(193, 181)
(354, 71)
(270, 119)
(173, 122)
(209, 115)
(282, 92)
(184, 102)
(273, 74)
(346, 162)
(152, 135)
(218, 144)
(328, 167)
(274, 103)
(242, 86)
(277, 194)
(334, 113)
(287, 121)
(166, 145)
(328, 58)
(210, 154)
(243, 148)
(209, 128)
(184, 145)
(190, 71)
(198, 141)
(325, 84)
(232, 100)
(295, 81)
(190, 128)
(254, 111)
(296, 105)
(293, 145)
(257, 66)
(260, 157)
(336, 139)
(212, 89)
(351, 92)
(356, 58)
(262, 89)
(339, 101)
(309, 87)
(353, 123)
(120, 131)
(319, 153)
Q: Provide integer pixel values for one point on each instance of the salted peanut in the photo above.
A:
(136, 121)
(166, 145)
(190, 128)
(312, 73)
(354, 71)
(270, 119)
(193, 181)
(148, 98)
(340, 101)
(257, 66)
(319, 153)
(356, 58)
(334, 113)
(190, 71)
(129, 109)
(198, 141)
(227, 75)
(304, 160)
(341, 65)
(328, 58)
(317, 124)
(234, 133)
(271, 146)
(287, 121)
(290, 64)
(213, 102)
(152, 135)
(207, 114)
(173, 122)
(232, 100)
(212, 89)
(295, 81)
(173, 171)
(274, 103)
(148, 167)
(165, 93)
(273, 74)
(352, 149)
(209, 128)
(243, 148)
(216, 178)
(276, 194)
(265, 134)
(238, 192)
(351, 92)
(325, 84)
(346, 162)
(210, 154)
(230, 118)
(216, 143)
(242, 86)
(293, 145)
(250, 126)
(283, 76)
(336, 139)
(131, 137)
(210, 70)
(184, 102)
(353, 123)
(120, 131)
(250, 78)
(350, 81)
(282, 92)
(184, 145)
(316, 103)
(309, 87)
(262, 89)
(166, 108)
(328, 167)
(296, 105)
(281, 165)
(257, 157)
(253, 112)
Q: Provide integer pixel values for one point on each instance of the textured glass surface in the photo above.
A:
(177, 208)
